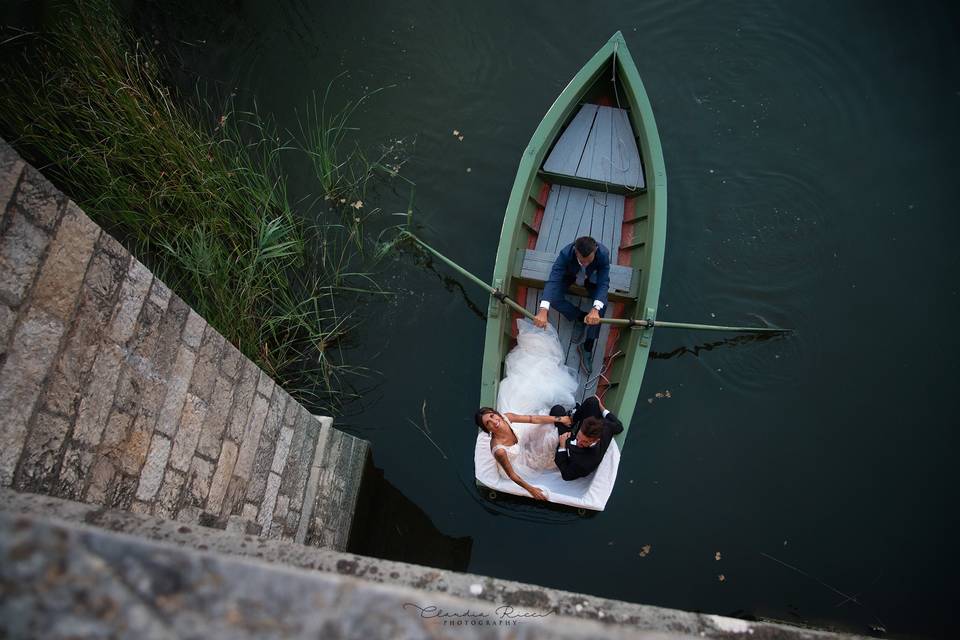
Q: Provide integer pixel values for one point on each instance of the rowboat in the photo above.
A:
(594, 166)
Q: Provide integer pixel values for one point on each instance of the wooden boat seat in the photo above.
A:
(535, 272)
(597, 146)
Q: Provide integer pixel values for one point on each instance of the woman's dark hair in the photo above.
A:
(592, 427)
(478, 417)
(585, 246)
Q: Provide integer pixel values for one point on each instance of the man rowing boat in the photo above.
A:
(584, 262)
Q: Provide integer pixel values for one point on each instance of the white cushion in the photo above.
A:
(591, 492)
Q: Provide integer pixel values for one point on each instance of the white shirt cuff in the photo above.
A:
(596, 305)
(561, 449)
(606, 412)
(545, 304)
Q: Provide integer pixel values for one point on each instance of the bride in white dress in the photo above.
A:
(536, 380)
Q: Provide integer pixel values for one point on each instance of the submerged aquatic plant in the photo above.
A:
(345, 174)
(200, 197)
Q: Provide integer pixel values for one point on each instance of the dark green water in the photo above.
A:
(811, 154)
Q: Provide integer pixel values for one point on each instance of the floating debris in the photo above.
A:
(717, 556)
(721, 578)
(645, 550)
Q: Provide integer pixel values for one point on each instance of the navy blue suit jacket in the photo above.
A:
(565, 270)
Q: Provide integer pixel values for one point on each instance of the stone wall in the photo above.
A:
(114, 392)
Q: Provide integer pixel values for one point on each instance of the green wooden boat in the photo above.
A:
(594, 166)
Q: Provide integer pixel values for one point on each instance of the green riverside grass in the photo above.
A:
(201, 199)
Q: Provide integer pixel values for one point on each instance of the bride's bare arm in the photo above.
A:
(501, 457)
(531, 419)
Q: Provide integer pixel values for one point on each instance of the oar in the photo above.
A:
(620, 322)
(496, 293)
(629, 322)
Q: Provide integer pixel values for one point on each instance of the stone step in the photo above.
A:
(114, 392)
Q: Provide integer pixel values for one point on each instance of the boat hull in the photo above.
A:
(645, 229)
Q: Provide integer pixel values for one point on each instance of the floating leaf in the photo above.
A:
(717, 556)
(645, 550)
(455, 132)
(721, 577)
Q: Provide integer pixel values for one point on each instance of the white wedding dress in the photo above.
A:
(536, 379)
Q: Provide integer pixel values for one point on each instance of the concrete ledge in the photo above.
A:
(417, 583)
(61, 579)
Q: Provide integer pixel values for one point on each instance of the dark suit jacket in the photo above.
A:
(577, 462)
(565, 270)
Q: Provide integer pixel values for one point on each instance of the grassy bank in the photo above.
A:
(201, 197)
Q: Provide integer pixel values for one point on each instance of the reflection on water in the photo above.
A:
(716, 344)
(425, 260)
(497, 503)
(389, 525)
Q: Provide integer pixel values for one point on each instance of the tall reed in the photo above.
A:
(199, 196)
